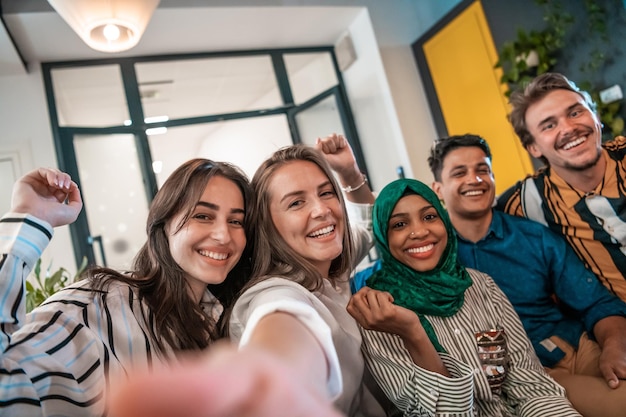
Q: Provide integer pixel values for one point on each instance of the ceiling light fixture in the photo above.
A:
(107, 25)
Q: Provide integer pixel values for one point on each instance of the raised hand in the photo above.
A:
(222, 382)
(47, 194)
(338, 153)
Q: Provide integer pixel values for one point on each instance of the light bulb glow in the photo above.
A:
(111, 32)
(107, 26)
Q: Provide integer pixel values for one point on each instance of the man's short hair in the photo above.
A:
(442, 147)
(536, 90)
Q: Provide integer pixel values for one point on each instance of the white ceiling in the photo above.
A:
(186, 26)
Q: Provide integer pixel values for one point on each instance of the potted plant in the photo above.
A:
(534, 52)
(50, 284)
(530, 54)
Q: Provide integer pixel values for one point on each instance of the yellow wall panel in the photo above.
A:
(461, 58)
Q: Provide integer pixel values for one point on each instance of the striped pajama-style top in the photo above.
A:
(527, 390)
(61, 359)
(593, 223)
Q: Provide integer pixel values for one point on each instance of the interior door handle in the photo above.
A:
(91, 240)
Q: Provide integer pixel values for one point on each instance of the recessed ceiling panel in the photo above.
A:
(195, 87)
(90, 96)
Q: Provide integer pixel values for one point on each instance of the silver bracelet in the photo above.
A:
(350, 188)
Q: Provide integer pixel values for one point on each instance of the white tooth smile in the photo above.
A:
(421, 249)
(323, 232)
(474, 192)
(574, 143)
(219, 256)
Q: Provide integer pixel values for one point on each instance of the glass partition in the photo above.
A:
(90, 96)
(230, 141)
(310, 74)
(194, 87)
(123, 125)
(320, 119)
(114, 196)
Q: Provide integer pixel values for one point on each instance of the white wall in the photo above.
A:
(26, 129)
(384, 89)
(373, 107)
(412, 108)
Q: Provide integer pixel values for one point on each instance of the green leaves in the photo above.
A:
(49, 284)
(515, 56)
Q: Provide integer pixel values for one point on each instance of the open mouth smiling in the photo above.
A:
(471, 193)
(421, 249)
(219, 256)
(323, 232)
(574, 143)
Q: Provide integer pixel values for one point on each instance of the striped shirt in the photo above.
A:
(61, 359)
(593, 223)
(527, 390)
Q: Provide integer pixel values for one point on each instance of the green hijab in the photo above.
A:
(438, 292)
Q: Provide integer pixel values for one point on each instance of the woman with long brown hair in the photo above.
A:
(63, 357)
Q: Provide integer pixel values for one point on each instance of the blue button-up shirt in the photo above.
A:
(532, 265)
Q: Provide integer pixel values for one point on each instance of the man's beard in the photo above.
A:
(586, 166)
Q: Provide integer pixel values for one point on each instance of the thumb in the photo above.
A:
(609, 376)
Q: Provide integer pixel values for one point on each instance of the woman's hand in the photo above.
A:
(221, 382)
(47, 194)
(375, 310)
(339, 155)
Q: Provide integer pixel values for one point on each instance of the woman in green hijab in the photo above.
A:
(441, 339)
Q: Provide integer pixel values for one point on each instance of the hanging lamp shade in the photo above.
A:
(107, 25)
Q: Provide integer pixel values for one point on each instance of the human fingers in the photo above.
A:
(356, 314)
(327, 145)
(48, 194)
(223, 383)
(65, 192)
(55, 178)
(371, 308)
(613, 375)
(609, 374)
(377, 298)
(611, 379)
(359, 300)
(358, 307)
(332, 144)
(69, 207)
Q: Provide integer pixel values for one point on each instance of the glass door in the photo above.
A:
(122, 126)
(114, 196)
(323, 115)
(109, 170)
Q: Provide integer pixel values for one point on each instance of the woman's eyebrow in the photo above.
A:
(213, 206)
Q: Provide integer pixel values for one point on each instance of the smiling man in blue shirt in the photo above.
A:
(577, 327)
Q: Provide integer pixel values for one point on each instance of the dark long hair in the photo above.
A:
(174, 319)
